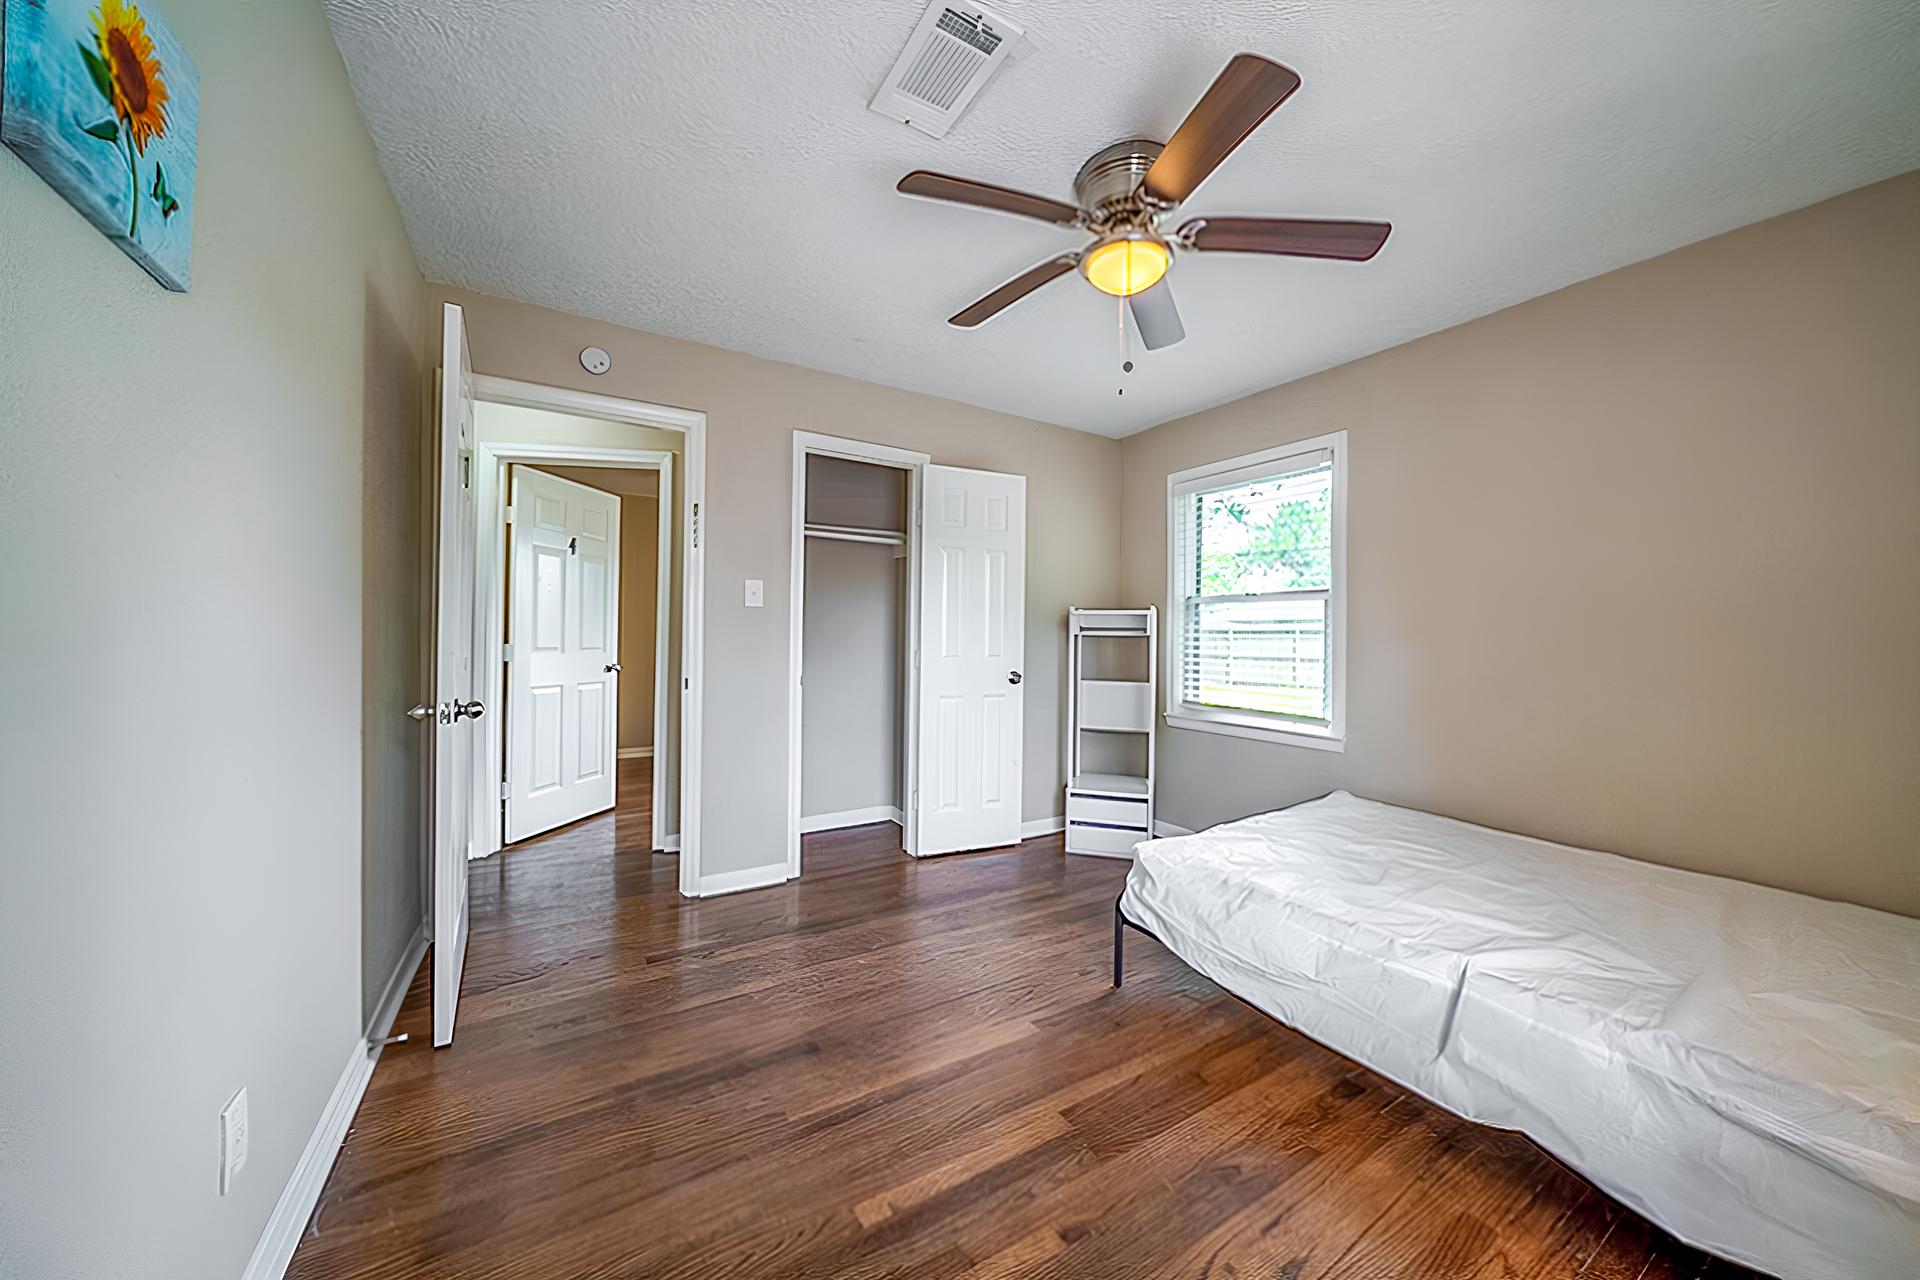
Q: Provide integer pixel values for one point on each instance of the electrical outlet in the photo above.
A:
(756, 593)
(233, 1140)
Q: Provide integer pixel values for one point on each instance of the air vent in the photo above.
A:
(954, 48)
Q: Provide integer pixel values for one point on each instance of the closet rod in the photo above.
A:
(844, 533)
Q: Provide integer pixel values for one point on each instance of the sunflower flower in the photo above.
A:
(139, 92)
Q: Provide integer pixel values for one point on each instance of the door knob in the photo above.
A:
(421, 712)
(612, 667)
(471, 710)
(1013, 677)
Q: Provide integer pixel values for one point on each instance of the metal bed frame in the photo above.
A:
(1121, 923)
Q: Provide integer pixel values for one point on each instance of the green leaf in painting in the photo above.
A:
(163, 197)
(105, 130)
(98, 69)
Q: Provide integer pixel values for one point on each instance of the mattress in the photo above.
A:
(1739, 1064)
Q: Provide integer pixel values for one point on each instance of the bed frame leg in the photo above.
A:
(1119, 943)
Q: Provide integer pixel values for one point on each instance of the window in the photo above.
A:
(1256, 605)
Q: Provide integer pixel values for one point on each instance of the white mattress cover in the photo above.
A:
(1740, 1064)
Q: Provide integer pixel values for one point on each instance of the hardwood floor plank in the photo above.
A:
(894, 1069)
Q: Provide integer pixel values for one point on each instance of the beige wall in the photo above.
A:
(1635, 565)
(211, 509)
(753, 406)
(639, 588)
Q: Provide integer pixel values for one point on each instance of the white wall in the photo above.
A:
(184, 499)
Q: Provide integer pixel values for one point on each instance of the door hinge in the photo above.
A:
(506, 790)
(506, 652)
(509, 513)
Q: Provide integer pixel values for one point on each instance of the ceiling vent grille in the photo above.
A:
(952, 52)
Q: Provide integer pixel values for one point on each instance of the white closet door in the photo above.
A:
(972, 607)
(564, 631)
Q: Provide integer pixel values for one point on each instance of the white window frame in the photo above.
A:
(1253, 724)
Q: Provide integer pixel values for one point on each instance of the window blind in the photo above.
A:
(1254, 578)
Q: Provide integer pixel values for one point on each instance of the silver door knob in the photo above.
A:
(421, 712)
(471, 710)
(612, 667)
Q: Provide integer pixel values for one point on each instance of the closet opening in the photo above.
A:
(855, 578)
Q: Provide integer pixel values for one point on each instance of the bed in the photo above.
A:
(1739, 1064)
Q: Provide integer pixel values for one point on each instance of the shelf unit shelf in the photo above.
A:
(1110, 740)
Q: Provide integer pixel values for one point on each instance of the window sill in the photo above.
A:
(1259, 730)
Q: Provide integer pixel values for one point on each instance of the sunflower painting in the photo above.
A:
(104, 103)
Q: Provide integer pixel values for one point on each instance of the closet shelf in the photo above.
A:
(1109, 784)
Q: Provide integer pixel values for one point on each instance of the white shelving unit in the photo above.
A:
(1111, 657)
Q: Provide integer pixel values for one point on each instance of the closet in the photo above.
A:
(854, 653)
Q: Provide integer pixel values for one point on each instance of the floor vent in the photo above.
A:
(954, 48)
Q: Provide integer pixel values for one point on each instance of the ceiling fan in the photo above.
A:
(1125, 191)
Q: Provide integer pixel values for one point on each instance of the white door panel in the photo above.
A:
(453, 672)
(563, 611)
(973, 559)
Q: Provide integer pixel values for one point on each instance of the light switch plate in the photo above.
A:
(233, 1139)
(756, 593)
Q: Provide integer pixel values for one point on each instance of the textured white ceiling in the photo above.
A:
(710, 171)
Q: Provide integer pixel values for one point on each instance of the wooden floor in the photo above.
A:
(892, 1068)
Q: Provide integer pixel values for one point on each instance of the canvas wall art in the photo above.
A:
(103, 102)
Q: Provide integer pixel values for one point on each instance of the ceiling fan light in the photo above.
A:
(1126, 265)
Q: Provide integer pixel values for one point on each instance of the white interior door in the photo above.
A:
(453, 672)
(563, 633)
(972, 608)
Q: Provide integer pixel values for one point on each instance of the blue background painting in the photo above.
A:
(49, 101)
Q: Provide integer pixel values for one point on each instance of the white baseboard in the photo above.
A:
(275, 1248)
(381, 1025)
(849, 818)
(1164, 830)
(634, 753)
(738, 881)
(1043, 826)
(670, 844)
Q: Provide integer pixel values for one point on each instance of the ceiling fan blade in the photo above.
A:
(1232, 107)
(1295, 237)
(1155, 316)
(1013, 290)
(984, 195)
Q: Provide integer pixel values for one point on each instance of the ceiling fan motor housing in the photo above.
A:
(1107, 184)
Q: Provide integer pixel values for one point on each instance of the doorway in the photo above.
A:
(952, 717)
(551, 605)
(651, 458)
(852, 695)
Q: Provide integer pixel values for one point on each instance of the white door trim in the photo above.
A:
(692, 424)
(804, 443)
